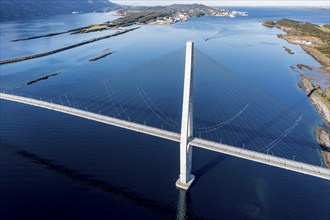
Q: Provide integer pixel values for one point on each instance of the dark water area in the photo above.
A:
(56, 166)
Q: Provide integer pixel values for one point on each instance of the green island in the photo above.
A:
(171, 14)
(314, 40)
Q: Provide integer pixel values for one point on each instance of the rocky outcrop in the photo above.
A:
(268, 23)
(323, 138)
(318, 99)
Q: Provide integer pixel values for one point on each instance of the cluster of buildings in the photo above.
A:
(226, 13)
(233, 13)
(172, 19)
(119, 13)
(304, 42)
(179, 17)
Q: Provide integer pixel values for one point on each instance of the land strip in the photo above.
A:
(18, 59)
(101, 56)
(42, 78)
(40, 36)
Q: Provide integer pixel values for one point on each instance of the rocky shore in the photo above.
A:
(311, 50)
(323, 139)
(322, 104)
(318, 99)
(312, 38)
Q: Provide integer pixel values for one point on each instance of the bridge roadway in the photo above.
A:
(271, 160)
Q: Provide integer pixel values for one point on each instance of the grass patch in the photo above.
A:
(95, 28)
(325, 29)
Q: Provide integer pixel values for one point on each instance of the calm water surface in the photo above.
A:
(59, 166)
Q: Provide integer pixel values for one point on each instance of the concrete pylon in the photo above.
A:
(186, 178)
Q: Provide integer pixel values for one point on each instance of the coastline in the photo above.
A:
(317, 98)
(318, 56)
(314, 41)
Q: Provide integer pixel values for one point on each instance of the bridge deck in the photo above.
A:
(197, 142)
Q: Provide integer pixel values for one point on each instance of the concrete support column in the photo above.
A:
(186, 178)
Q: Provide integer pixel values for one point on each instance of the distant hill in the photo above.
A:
(17, 8)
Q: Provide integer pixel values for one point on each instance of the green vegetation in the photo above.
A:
(318, 35)
(95, 28)
(146, 14)
(320, 100)
(325, 29)
(327, 26)
(328, 93)
(140, 17)
(303, 29)
(268, 23)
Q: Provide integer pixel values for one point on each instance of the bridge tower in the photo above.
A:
(186, 178)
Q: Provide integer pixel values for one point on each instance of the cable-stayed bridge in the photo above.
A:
(241, 124)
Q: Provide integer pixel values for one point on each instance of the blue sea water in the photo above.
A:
(59, 166)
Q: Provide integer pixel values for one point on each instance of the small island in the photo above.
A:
(288, 50)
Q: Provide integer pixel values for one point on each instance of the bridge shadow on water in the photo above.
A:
(199, 173)
(157, 206)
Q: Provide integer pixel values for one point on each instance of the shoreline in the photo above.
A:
(320, 58)
(323, 139)
(322, 106)
(317, 98)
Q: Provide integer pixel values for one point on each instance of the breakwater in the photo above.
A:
(100, 57)
(19, 59)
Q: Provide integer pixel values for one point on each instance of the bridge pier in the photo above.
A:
(186, 178)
